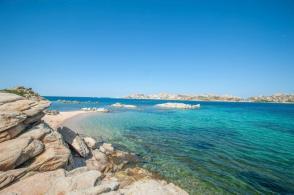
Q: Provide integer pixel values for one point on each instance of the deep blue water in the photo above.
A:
(237, 148)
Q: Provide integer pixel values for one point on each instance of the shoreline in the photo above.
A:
(59, 119)
(40, 155)
(134, 172)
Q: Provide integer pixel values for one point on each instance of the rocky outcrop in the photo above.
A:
(17, 114)
(178, 105)
(27, 145)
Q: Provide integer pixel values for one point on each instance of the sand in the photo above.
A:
(56, 121)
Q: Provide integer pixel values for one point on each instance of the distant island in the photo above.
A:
(276, 98)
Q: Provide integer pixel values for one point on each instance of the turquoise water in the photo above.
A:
(237, 148)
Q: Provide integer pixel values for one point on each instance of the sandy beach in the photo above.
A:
(57, 120)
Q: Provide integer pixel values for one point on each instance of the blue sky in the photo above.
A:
(115, 48)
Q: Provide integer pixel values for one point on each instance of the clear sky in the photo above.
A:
(115, 48)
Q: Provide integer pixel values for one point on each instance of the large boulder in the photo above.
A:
(37, 132)
(16, 151)
(75, 141)
(18, 113)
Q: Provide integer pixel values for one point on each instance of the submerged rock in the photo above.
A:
(178, 105)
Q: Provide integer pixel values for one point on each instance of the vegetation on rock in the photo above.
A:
(28, 93)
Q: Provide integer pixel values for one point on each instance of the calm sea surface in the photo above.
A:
(221, 148)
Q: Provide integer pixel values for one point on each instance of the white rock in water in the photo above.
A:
(119, 105)
(102, 110)
(90, 142)
(178, 105)
(95, 109)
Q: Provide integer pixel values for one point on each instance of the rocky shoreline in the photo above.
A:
(40, 156)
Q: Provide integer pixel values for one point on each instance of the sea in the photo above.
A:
(220, 148)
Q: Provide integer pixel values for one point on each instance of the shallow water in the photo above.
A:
(238, 148)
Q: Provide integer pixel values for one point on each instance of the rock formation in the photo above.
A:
(38, 159)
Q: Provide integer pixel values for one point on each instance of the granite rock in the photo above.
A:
(74, 140)
(17, 114)
(55, 182)
(16, 151)
(90, 142)
(56, 154)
